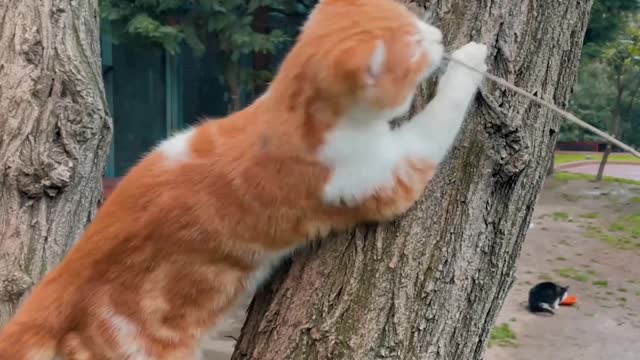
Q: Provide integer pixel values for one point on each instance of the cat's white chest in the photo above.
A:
(362, 159)
(269, 262)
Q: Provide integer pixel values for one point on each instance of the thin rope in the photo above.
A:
(565, 114)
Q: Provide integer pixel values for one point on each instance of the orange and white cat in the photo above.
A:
(204, 216)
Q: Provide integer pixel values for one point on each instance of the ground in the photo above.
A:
(584, 235)
(629, 170)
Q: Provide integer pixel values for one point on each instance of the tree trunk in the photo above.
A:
(430, 285)
(552, 165)
(234, 88)
(614, 127)
(54, 136)
(603, 162)
(261, 60)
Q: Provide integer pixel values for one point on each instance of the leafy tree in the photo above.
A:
(606, 23)
(622, 58)
(591, 101)
(231, 24)
(612, 26)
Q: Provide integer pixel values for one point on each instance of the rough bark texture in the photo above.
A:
(552, 166)
(54, 136)
(429, 286)
(614, 126)
(603, 162)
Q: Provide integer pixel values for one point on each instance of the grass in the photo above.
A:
(545, 277)
(591, 215)
(570, 197)
(563, 158)
(568, 176)
(574, 274)
(560, 216)
(561, 258)
(601, 283)
(618, 241)
(622, 290)
(635, 199)
(565, 242)
(617, 227)
(628, 224)
(502, 335)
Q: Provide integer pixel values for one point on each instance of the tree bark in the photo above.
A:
(54, 136)
(614, 126)
(552, 165)
(603, 162)
(430, 285)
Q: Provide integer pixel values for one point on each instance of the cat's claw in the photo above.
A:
(348, 201)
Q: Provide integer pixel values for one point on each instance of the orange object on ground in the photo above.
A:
(569, 300)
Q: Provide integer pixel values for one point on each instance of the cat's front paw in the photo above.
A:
(459, 76)
(472, 54)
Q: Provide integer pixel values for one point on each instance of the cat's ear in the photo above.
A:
(361, 64)
(376, 63)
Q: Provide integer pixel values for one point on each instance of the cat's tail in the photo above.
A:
(21, 340)
(541, 308)
(37, 328)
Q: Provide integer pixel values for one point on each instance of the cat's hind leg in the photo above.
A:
(542, 308)
(73, 348)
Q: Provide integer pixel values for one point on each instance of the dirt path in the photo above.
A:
(626, 171)
(571, 244)
(604, 324)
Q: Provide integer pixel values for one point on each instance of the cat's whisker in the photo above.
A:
(565, 114)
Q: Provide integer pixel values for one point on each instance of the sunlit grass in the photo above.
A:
(622, 234)
(569, 176)
(591, 215)
(563, 158)
(502, 335)
(574, 274)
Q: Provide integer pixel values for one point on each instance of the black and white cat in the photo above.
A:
(546, 296)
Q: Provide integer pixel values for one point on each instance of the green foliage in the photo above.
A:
(606, 23)
(608, 89)
(607, 18)
(623, 57)
(592, 98)
(144, 26)
(237, 27)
